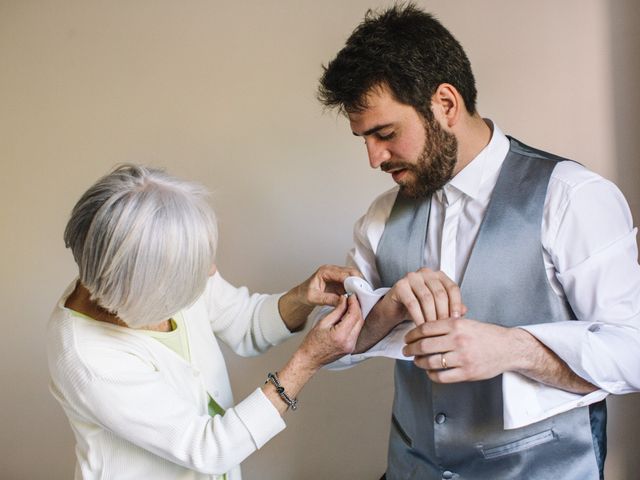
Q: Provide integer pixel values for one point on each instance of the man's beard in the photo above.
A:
(434, 168)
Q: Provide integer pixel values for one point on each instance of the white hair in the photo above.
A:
(144, 242)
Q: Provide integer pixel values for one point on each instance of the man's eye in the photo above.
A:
(388, 136)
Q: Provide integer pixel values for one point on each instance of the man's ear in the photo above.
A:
(447, 105)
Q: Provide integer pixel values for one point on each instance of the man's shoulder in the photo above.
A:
(518, 147)
(380, 208)
(377, 214)
(567, 173)
(573, 174)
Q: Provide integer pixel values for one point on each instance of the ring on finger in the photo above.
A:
(443, 361)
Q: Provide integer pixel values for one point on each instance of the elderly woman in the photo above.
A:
(133, 342)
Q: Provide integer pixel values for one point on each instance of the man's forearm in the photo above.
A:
(536, 361)
(376, 326)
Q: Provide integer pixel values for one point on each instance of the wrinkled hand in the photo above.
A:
(461, 350)
(334, 336)
(325, 286)
(423, 296)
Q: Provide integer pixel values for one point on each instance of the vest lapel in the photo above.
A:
(403, 239)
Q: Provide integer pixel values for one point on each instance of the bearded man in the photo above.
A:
(517, 268)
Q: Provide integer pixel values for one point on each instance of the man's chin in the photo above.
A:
(416, 192)
(410, 187)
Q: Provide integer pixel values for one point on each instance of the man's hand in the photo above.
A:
(422, 296)
(455, 350)
(461, 350)
(324, 287)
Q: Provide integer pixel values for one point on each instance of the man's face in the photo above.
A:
(418, 153)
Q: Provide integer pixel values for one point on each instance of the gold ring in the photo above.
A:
(443, 360)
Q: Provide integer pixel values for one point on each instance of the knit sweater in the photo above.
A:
(138, 410)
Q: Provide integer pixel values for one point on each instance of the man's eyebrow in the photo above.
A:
(373, 130)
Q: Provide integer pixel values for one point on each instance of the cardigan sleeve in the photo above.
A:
(248, 323)
(127, 396)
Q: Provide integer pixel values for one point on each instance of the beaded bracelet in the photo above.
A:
(292, 402)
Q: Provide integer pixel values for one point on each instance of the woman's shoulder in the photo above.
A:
(84, 349)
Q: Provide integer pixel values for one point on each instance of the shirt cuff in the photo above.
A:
(526, 401)
(345, 362)
(274, 329)
(367, 296)
(260, 417)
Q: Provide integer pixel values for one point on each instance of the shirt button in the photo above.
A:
(440, 419)
(447, 475)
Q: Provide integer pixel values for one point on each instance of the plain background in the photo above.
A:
(224, 93)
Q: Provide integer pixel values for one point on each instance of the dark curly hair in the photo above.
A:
(405, 49)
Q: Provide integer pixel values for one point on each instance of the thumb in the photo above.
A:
(336, 315)
(353, 316)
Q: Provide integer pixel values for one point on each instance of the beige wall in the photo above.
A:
(224, 93)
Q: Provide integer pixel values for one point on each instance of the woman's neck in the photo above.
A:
(80, 301)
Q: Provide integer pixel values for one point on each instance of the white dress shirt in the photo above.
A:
(590, 255)
(138, 410)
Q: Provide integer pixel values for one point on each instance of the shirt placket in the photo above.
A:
(448, 247)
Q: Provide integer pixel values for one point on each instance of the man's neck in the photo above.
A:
(474, 135)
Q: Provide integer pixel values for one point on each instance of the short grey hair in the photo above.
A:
(144, 242)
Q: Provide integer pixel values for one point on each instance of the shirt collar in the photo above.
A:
(481, 174)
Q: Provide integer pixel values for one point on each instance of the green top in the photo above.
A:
(177, 340)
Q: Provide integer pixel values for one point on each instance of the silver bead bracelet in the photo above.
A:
(273, 378)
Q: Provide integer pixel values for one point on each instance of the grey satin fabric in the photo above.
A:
(456, 430)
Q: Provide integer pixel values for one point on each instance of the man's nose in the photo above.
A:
(377, 152)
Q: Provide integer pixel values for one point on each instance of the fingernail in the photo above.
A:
(455, 314)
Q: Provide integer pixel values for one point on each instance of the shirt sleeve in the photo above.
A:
(366, 236)
(590, 243)
(367, 233)
(248, 323)
(127, 396)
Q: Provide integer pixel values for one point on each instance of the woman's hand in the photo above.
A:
(334, 336)
(331, 338)
(324, 287)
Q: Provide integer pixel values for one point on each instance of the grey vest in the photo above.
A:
(456, 430)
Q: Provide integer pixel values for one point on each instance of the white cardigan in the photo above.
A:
(139, 411)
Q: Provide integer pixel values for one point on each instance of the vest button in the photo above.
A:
(447, 474)
(440, 419)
